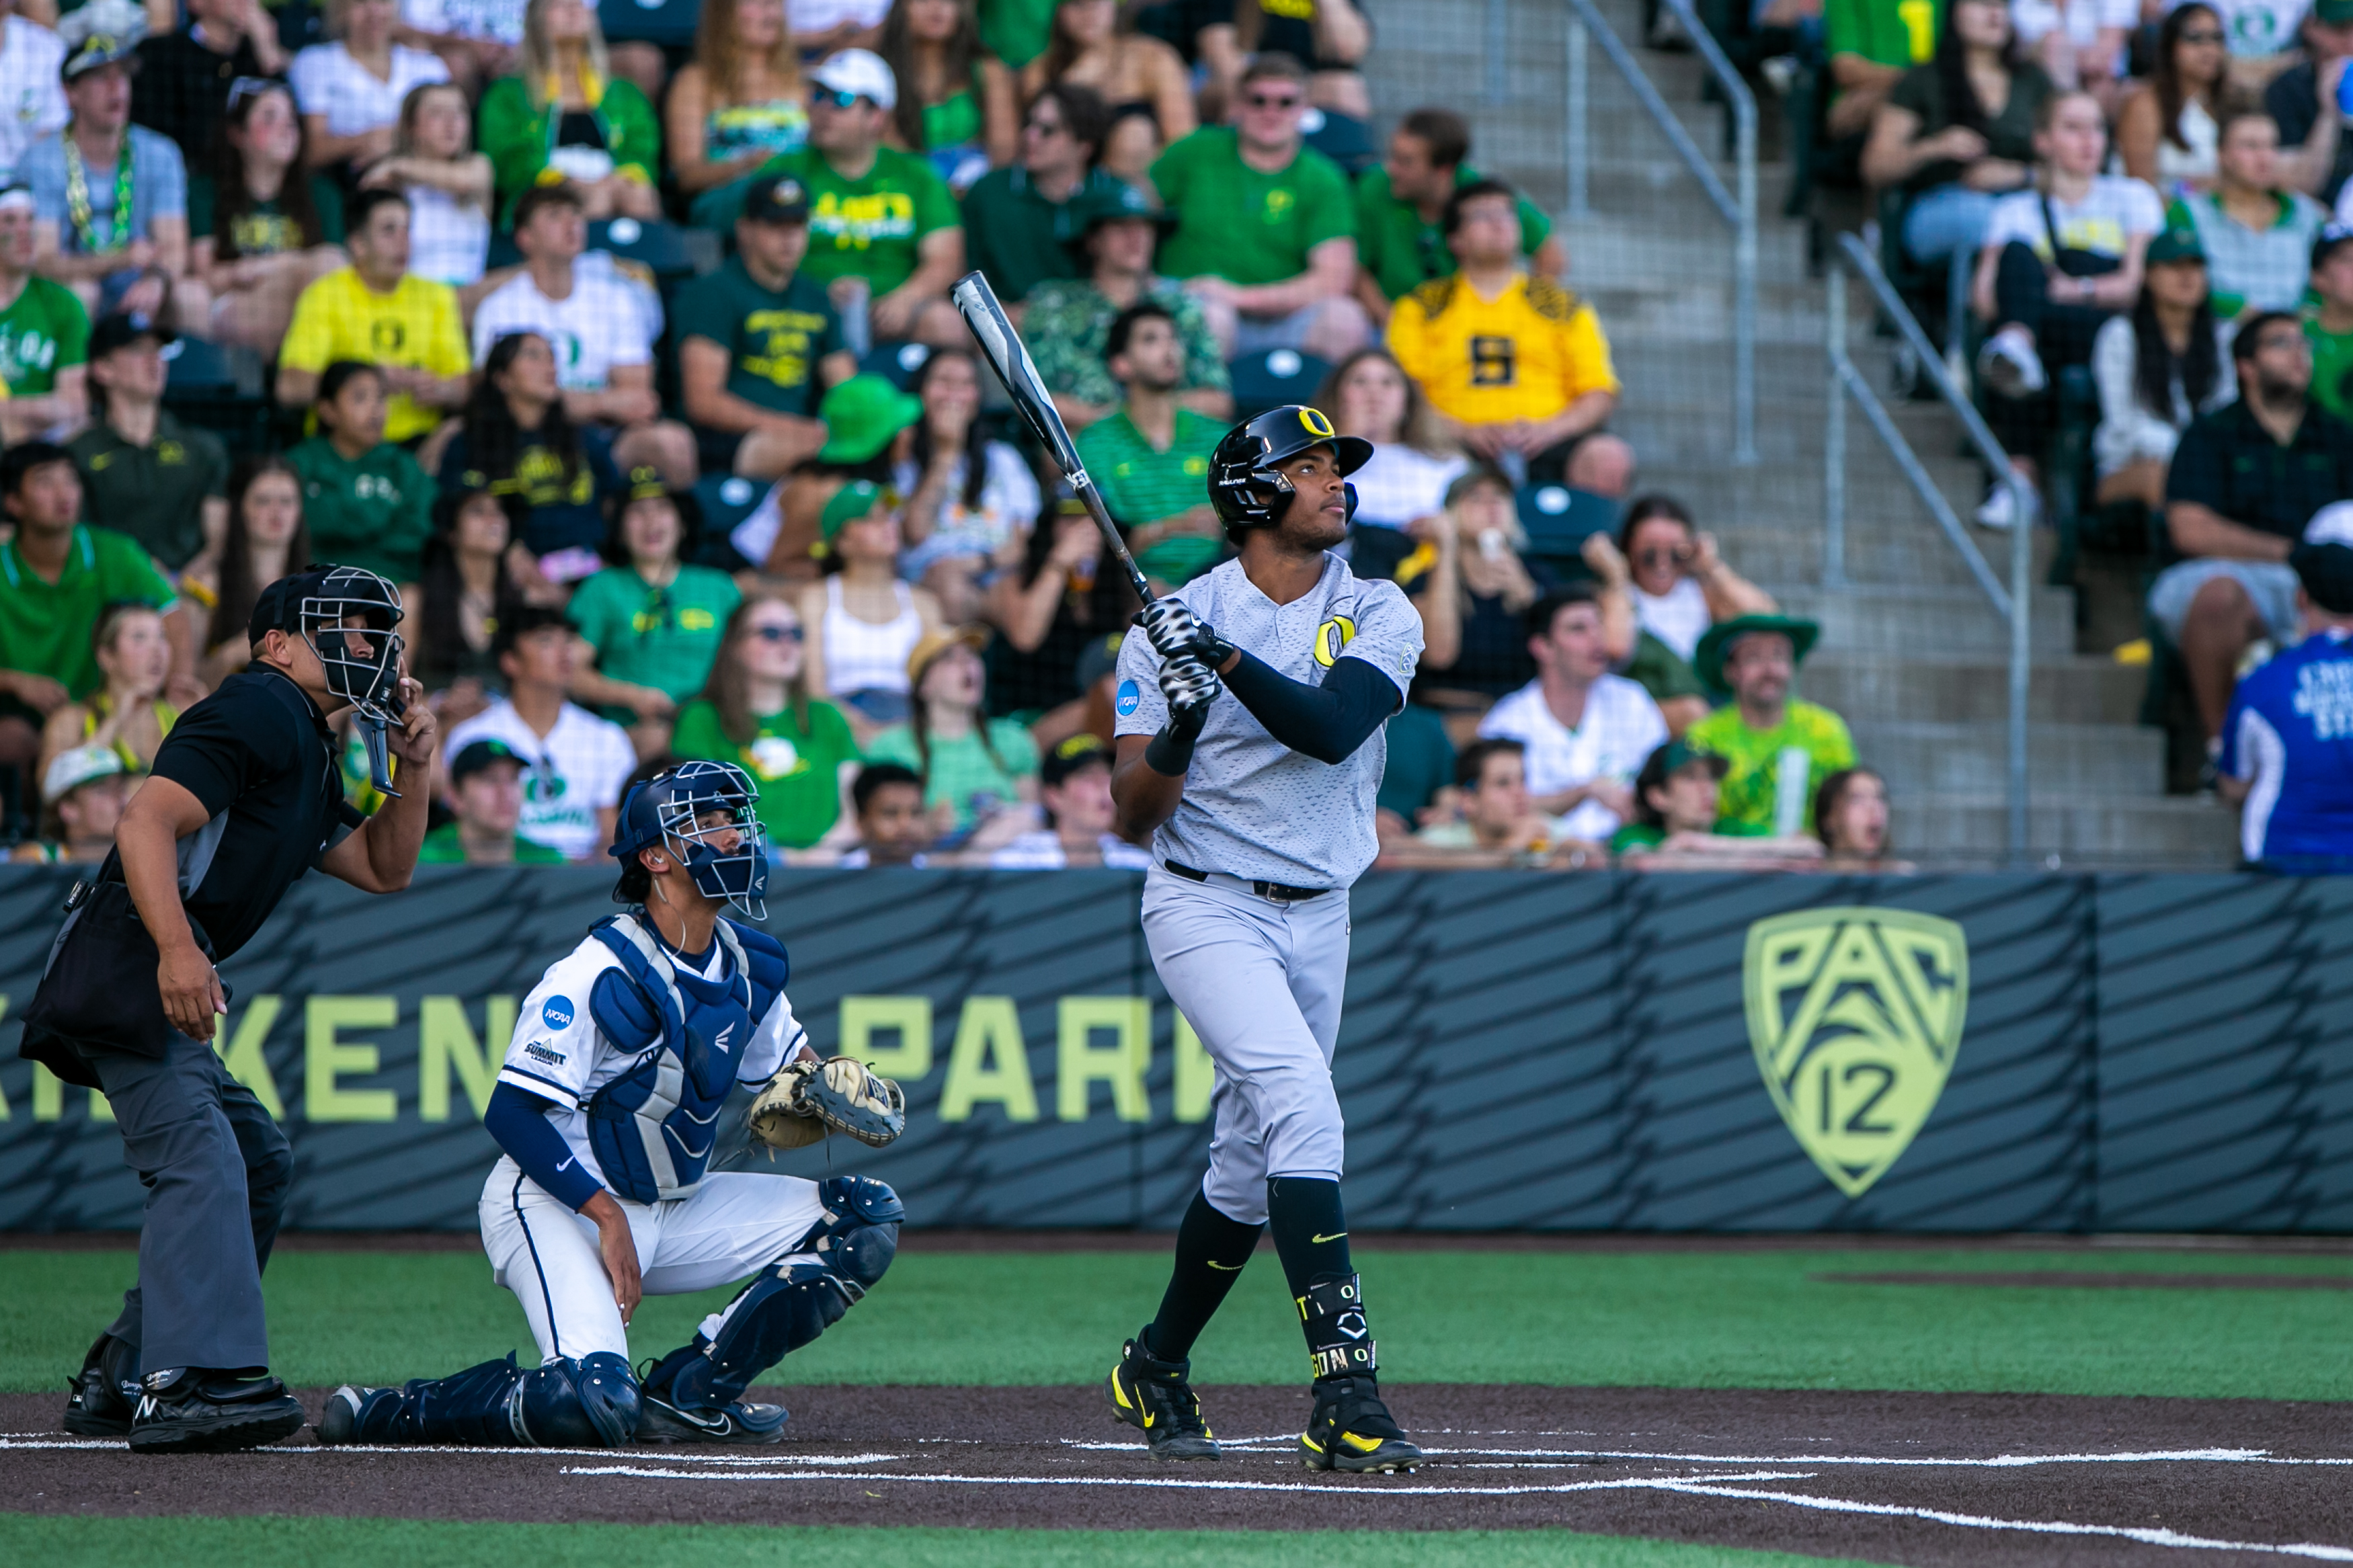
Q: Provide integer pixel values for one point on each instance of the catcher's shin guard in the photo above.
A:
(1351, 1428)
(793, 1302)
(591, 1403)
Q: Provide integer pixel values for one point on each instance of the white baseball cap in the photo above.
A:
(2332, 524)
(69, 771)
(860, 71)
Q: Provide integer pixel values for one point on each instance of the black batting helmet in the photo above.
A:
(1244, 484)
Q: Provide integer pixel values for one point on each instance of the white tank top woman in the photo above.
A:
(868, 656)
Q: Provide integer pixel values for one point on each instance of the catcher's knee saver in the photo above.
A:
(591, 1403)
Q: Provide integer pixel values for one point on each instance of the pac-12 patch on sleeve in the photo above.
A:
(557, 1013)
(1130, 697)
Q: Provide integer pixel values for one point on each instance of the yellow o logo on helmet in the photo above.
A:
(1332, 637)
(1316, 424)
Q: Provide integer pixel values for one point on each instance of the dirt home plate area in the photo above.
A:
(1890, 1477)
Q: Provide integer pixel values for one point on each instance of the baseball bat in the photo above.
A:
(1002, 347)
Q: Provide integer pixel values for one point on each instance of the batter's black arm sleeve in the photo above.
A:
(518, 1120)
(1328, 723)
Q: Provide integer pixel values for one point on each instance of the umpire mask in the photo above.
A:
(347, 613)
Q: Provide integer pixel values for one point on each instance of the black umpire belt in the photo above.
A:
(1275, 890)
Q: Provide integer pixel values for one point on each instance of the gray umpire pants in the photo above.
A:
(218, 1171)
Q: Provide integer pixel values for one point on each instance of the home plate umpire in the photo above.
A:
(245, 797)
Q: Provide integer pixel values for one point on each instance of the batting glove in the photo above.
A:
(1190, 686)
(1176, 632)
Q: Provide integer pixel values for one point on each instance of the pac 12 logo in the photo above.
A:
(1130, 697)
(1855, 1015)
(557, 1013)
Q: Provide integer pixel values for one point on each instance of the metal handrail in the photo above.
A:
(2017, 604)
(1738, 210)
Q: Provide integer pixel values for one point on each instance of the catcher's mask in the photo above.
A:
(688, 810)
(346, 613)
(1245, 485)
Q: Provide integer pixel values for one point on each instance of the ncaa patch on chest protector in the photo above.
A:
(1855, 1015)
(557, 1013)
(1129, 698)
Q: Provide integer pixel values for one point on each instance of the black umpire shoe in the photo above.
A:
(192, 1411)
(741, 1421)
(1152, 1396)
(1352, 1430)
(97, 1406)
(100, 1397)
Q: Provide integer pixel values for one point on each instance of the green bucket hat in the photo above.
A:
(850, 502)
(1707, 659)
(860, 416)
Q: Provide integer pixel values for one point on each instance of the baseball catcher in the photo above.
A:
(607, 1108)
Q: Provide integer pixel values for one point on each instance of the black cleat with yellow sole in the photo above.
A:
(1153, 1396)
(1352, 1430)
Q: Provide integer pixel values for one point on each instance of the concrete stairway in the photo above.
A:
(1912, 653)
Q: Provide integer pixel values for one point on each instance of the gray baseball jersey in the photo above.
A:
(1253, 807)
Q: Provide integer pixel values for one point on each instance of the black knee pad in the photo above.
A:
(591, 1403)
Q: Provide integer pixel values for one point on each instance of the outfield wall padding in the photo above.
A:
(1520, 1051)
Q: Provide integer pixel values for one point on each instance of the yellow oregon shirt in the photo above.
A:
(340, 317)
(1527, 353)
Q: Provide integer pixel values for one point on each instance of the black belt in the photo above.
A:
(1275, 890)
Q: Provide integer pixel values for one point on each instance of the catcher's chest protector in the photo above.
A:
(653, 1127)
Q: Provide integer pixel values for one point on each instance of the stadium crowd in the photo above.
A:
(630, 358)
(2133, 219)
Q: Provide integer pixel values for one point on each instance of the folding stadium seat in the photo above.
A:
(1272, 377)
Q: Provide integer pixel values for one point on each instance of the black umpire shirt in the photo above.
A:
(259, 755)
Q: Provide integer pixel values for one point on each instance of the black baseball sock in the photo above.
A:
(1211, 1249)
(1311, 1231)
(1311, 1235)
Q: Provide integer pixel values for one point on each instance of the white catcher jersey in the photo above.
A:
(1253, 807)
(559, 1054)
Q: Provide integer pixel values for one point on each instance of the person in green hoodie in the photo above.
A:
(365, 500)
(564, 116)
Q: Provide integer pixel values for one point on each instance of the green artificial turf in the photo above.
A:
(1695, 1320)
(411, 1544)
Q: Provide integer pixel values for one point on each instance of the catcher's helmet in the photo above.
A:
(667, 812)
(1244, 484)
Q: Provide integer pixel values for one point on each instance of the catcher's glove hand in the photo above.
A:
(810, 1098)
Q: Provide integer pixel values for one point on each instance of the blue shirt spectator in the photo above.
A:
(2287, 745)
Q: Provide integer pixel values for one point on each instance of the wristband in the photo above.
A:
(1169, 755)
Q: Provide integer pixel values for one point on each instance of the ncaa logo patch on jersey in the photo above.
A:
(557, 1013)
(1332, 637)
(1130, 697)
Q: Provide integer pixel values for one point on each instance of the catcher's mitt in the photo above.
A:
(810, 1098)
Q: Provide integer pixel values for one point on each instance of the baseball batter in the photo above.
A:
(1260, 813)
(605, 1106)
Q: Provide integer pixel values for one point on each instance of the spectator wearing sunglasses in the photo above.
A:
(883, 228)
(1402, 205)
(1023, 224)
(652, 622)
(756, 711)
(187, 79)
(1265, 231)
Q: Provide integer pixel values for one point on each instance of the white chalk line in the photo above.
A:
(1714, 1487)
(1997, 1462)
(117, 1446)
(1384, 1486)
